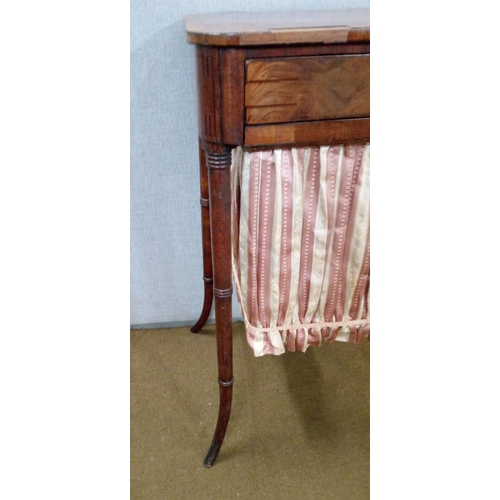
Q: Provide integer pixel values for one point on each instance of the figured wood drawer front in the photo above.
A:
(307, 88)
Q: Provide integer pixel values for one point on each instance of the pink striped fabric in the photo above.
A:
(301, 260)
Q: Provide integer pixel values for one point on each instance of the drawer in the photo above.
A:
(295, 89)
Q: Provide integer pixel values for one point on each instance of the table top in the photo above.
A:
(272, 28)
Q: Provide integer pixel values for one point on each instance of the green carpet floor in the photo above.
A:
(299, 426)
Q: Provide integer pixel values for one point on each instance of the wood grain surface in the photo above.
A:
(313, 88)
(267, 28)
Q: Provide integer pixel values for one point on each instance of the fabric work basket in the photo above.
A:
(301, 250)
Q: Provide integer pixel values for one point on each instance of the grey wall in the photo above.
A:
(166, 286)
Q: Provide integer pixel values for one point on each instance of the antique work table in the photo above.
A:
(267, 80)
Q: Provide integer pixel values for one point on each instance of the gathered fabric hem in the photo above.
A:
(276, 340)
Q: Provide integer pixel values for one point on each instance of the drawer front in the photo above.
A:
(297, 89)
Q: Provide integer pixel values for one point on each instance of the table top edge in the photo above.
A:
(251, 28)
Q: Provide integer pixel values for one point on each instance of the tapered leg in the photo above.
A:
(207, 244)
(220, 214)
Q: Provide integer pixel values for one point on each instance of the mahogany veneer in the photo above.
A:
(307, 88)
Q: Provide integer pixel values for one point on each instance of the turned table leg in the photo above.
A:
(220, 214)
(207, 243)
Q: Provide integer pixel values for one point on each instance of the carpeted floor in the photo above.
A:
(299, 426)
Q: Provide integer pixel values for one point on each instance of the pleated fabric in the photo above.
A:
(301, 251)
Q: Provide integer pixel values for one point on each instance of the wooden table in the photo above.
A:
(267, 80)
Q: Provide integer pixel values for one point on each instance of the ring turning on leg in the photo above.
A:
(207, 244)
(220, 221)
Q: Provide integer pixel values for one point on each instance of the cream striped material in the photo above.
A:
(301, 259)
